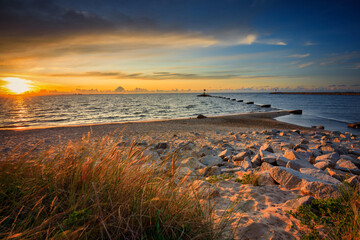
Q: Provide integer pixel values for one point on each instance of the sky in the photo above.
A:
(164, 45)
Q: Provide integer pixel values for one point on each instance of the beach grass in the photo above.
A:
(336, 218)
(97, 189)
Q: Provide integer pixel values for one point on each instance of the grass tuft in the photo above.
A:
(96, 189)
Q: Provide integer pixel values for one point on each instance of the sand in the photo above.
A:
(263, 214)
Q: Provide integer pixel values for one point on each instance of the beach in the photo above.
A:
(292, 165)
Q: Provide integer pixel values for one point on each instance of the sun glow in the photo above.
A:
(17, 85)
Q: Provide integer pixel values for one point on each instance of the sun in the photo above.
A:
(17, 85)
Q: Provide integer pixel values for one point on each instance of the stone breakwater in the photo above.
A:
(291, 167)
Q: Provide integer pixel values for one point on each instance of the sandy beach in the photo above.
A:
(292, 164)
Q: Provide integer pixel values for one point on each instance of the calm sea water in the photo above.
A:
(333, 112)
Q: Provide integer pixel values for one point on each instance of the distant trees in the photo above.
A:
(119, 89)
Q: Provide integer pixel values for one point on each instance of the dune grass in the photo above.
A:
(337, 218)
(95, 189)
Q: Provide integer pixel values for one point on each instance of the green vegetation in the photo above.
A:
(216, 178)
(95, 189)
(248, 179)
(332, 218)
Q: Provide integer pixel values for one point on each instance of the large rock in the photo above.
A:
(211, 160)
(354, 181)
(320, 175)
(256, 160)
(290, 154)
(267, 147)
(346, 165)
(240, 156)
(246, 164)
(324, 164)
(192, 163)
(333, 157)
(264, 178)
(290, 178)
(266, 166)
(338, 174)
(298, 164)
(209, 171)
(267, 157)
(225, 154)
(320, 190)
(281, 161)
(295, 203)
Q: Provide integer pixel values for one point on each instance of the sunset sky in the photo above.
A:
(179, 44)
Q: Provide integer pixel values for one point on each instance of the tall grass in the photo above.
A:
(95, 189)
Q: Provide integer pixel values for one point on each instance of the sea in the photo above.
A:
(334, 112)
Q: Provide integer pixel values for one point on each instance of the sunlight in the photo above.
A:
(17, 85)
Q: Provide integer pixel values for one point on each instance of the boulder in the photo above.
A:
(264, 178)
(267, 157)
(324, 164)
(184, 172)
(320, 190)
(267, 147)
(256, 160)
(281, 161)
(354, 125)
(298, 164)
(266, 166)
(346, 165)
(338, 174)
(192, 163)
(296, 203)
(296, 112)
(240, 156)
(246, 164)
(211, 160)
(320, 175)
(333, 157)
(290, 154)
(353, 181)
(231, 170)
(200, 116)
(225, 153)
(209, 171)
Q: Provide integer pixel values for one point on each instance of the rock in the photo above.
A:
(324, 164)
(231, 170)
(192, 163)
(256, 160)
(264, 178)
(266, 166)
(320, 190)
(281, 161)
(320, 127)
(301, 146)
(296, 203)
(269, 159)
(183, 172)
(338, 174)
(290, 154)
(327, 149)
(333, 157)
(298, 164)
(286, 145)
(246, 164)
(346, 165)
(162, 145)
(354, 125)
(208, 151)
(210, 171)
(296, 112)
(266, 147)
(211, 160)
(303, 154)
(200, 116)
(225, 153)
(320, 175)
(290, 178)
(353, 181)
(249, 102)
(205, 190)
(353, 160)
(240, 156)
(265, 106)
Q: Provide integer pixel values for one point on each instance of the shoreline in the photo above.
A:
(28, 137)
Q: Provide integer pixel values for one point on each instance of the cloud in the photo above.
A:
(309, 43)
(272, 42)
(336, 58)
(305, 65)
(300, 55)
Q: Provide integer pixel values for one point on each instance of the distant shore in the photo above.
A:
(319, 93)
